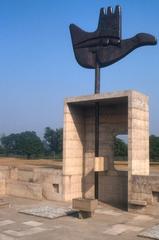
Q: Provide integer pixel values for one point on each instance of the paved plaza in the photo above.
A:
(107, 223)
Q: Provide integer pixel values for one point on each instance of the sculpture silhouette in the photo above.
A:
(105, 46)
(102, 48)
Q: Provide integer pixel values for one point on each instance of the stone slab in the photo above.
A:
(118, 229)
(142, 218)
(6, 222)
(33, 223)
(108, 212)
(28, 232)
(102, 96)
(48, 212)
(4, 237)
(152, 233)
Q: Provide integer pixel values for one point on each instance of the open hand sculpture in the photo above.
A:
(105, 46)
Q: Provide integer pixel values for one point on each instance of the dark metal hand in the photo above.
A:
(105, 46)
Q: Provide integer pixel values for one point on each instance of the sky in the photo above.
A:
(37, 65)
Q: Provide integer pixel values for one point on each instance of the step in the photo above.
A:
(24, 189)
(138, 202)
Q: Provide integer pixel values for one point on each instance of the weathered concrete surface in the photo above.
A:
(79, 157)
(145, 188)
(113, 188)
(87, 205)
(24, 189)
(120, 113)
(31, 182)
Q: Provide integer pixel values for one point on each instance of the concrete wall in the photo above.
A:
(73, 152)
(138, 140)
(113, 188)
(113, 120)
(31, 182)
(138, 131)
(79, 140)
(145, 188)
(120, 113)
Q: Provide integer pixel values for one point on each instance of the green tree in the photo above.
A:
(8, 143)
(29, 144)
(50, 140)
(120, 148)
(53, 141)
(26, 144)
(2, 151)
(154, 148)
(59, 141)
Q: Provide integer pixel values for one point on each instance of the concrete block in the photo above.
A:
(99, 164)
(138, 202)
(88, 205)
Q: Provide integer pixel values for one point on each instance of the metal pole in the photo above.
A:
(97, 79)
(97, 90)
(97, 129)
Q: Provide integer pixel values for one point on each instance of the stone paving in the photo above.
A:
(117, 229)
(107, 223)
(151, 233)
(48, 212)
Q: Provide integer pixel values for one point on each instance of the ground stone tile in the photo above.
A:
(48, 212)
(142, 218)
(4, 237)
(108, 212)
(134, 228)
(6, 222)
(27, 232)
(33, 223)
(151, 233)
(116, 229)
(121, 228)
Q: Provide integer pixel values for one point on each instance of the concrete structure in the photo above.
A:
(120, 113)
(33, 182)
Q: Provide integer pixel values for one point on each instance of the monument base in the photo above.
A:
(86, 207)
(120, 113)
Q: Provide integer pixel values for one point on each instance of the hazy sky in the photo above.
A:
(38, 69)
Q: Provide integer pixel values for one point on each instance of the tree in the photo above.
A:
(53, 140)
(154, 147)
(9, 143)
(120, 148)
(2, 150)
(59, 141)
(29, 144)
(26, 144)
(50, 140)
